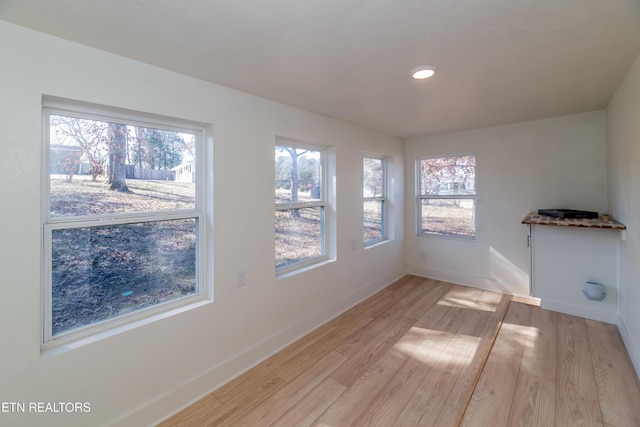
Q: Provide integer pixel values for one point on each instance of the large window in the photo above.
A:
(447, 196)
(123, 218)
(374, 199)
(300, 197)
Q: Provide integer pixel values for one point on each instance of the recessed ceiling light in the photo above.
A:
(423, 72)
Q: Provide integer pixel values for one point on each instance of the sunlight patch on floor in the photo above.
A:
(425, 346)
(451, 299)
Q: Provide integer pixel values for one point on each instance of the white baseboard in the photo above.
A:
(458, 278)
(633, 348)
(580, 311)
(194, 389)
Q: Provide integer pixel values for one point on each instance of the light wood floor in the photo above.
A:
(427, 353)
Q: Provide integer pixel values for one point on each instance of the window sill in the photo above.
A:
(376, 243)
(442, 236)
(284, 273)
(54, 348)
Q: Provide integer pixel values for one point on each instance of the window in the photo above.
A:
(123, 223)
(447, 196)
(374, 199)
(300, 196)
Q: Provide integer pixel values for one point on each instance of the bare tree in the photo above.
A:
(372, 174)
(112, 146)
(295, 155)
(88, 135)
(117, 157)
(458, 171)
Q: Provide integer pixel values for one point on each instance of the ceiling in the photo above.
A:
(498, 61)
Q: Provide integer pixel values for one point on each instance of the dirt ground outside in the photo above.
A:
(101, 272)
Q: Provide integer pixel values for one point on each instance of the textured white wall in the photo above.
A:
(138, 376)
(551, 163)
(623, 124)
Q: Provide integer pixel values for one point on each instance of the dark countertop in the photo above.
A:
(603, 221)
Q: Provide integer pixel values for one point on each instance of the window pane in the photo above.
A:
(298, 235)
(372, 177)
(449, 217)
(447, 175)
(373, 220)
(99, 273)
(298, 174)
(98, 167)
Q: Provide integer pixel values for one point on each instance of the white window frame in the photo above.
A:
(321, 203)
(421, 197)
(201, 213)
(382, 198)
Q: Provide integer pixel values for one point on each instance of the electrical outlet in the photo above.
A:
(423, 256)
(241, 278)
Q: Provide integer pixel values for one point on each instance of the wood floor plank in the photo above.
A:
(496, 317)
(452, 320)
(353, 402)
(359, 362)
(527, 300)
(422, 352)
(248, 380)
(423, 304)
(474, 322)
(377, 307)
(430, 319)
(354, 343)
(533, 402)
(409, 298)
(471, 298)
(539, 357)
(314, 404)
(403, 289)
(426, 404)
(461, 327)
(393, 397)
(461, 393)
(403, 281)
(275, 405)
(491, 400)
(317, 350)
(577, 401)
(228, 413)
(571, 325)
(360, 309)
(615, 378)
(193, 414)
(449, 416)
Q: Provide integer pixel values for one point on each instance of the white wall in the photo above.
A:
(137, 377)
(552, 163)
(623, 120)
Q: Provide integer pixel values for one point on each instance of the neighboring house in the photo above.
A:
(459, 185)
(185, 172)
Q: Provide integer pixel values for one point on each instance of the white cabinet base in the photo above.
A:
(563, 259)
